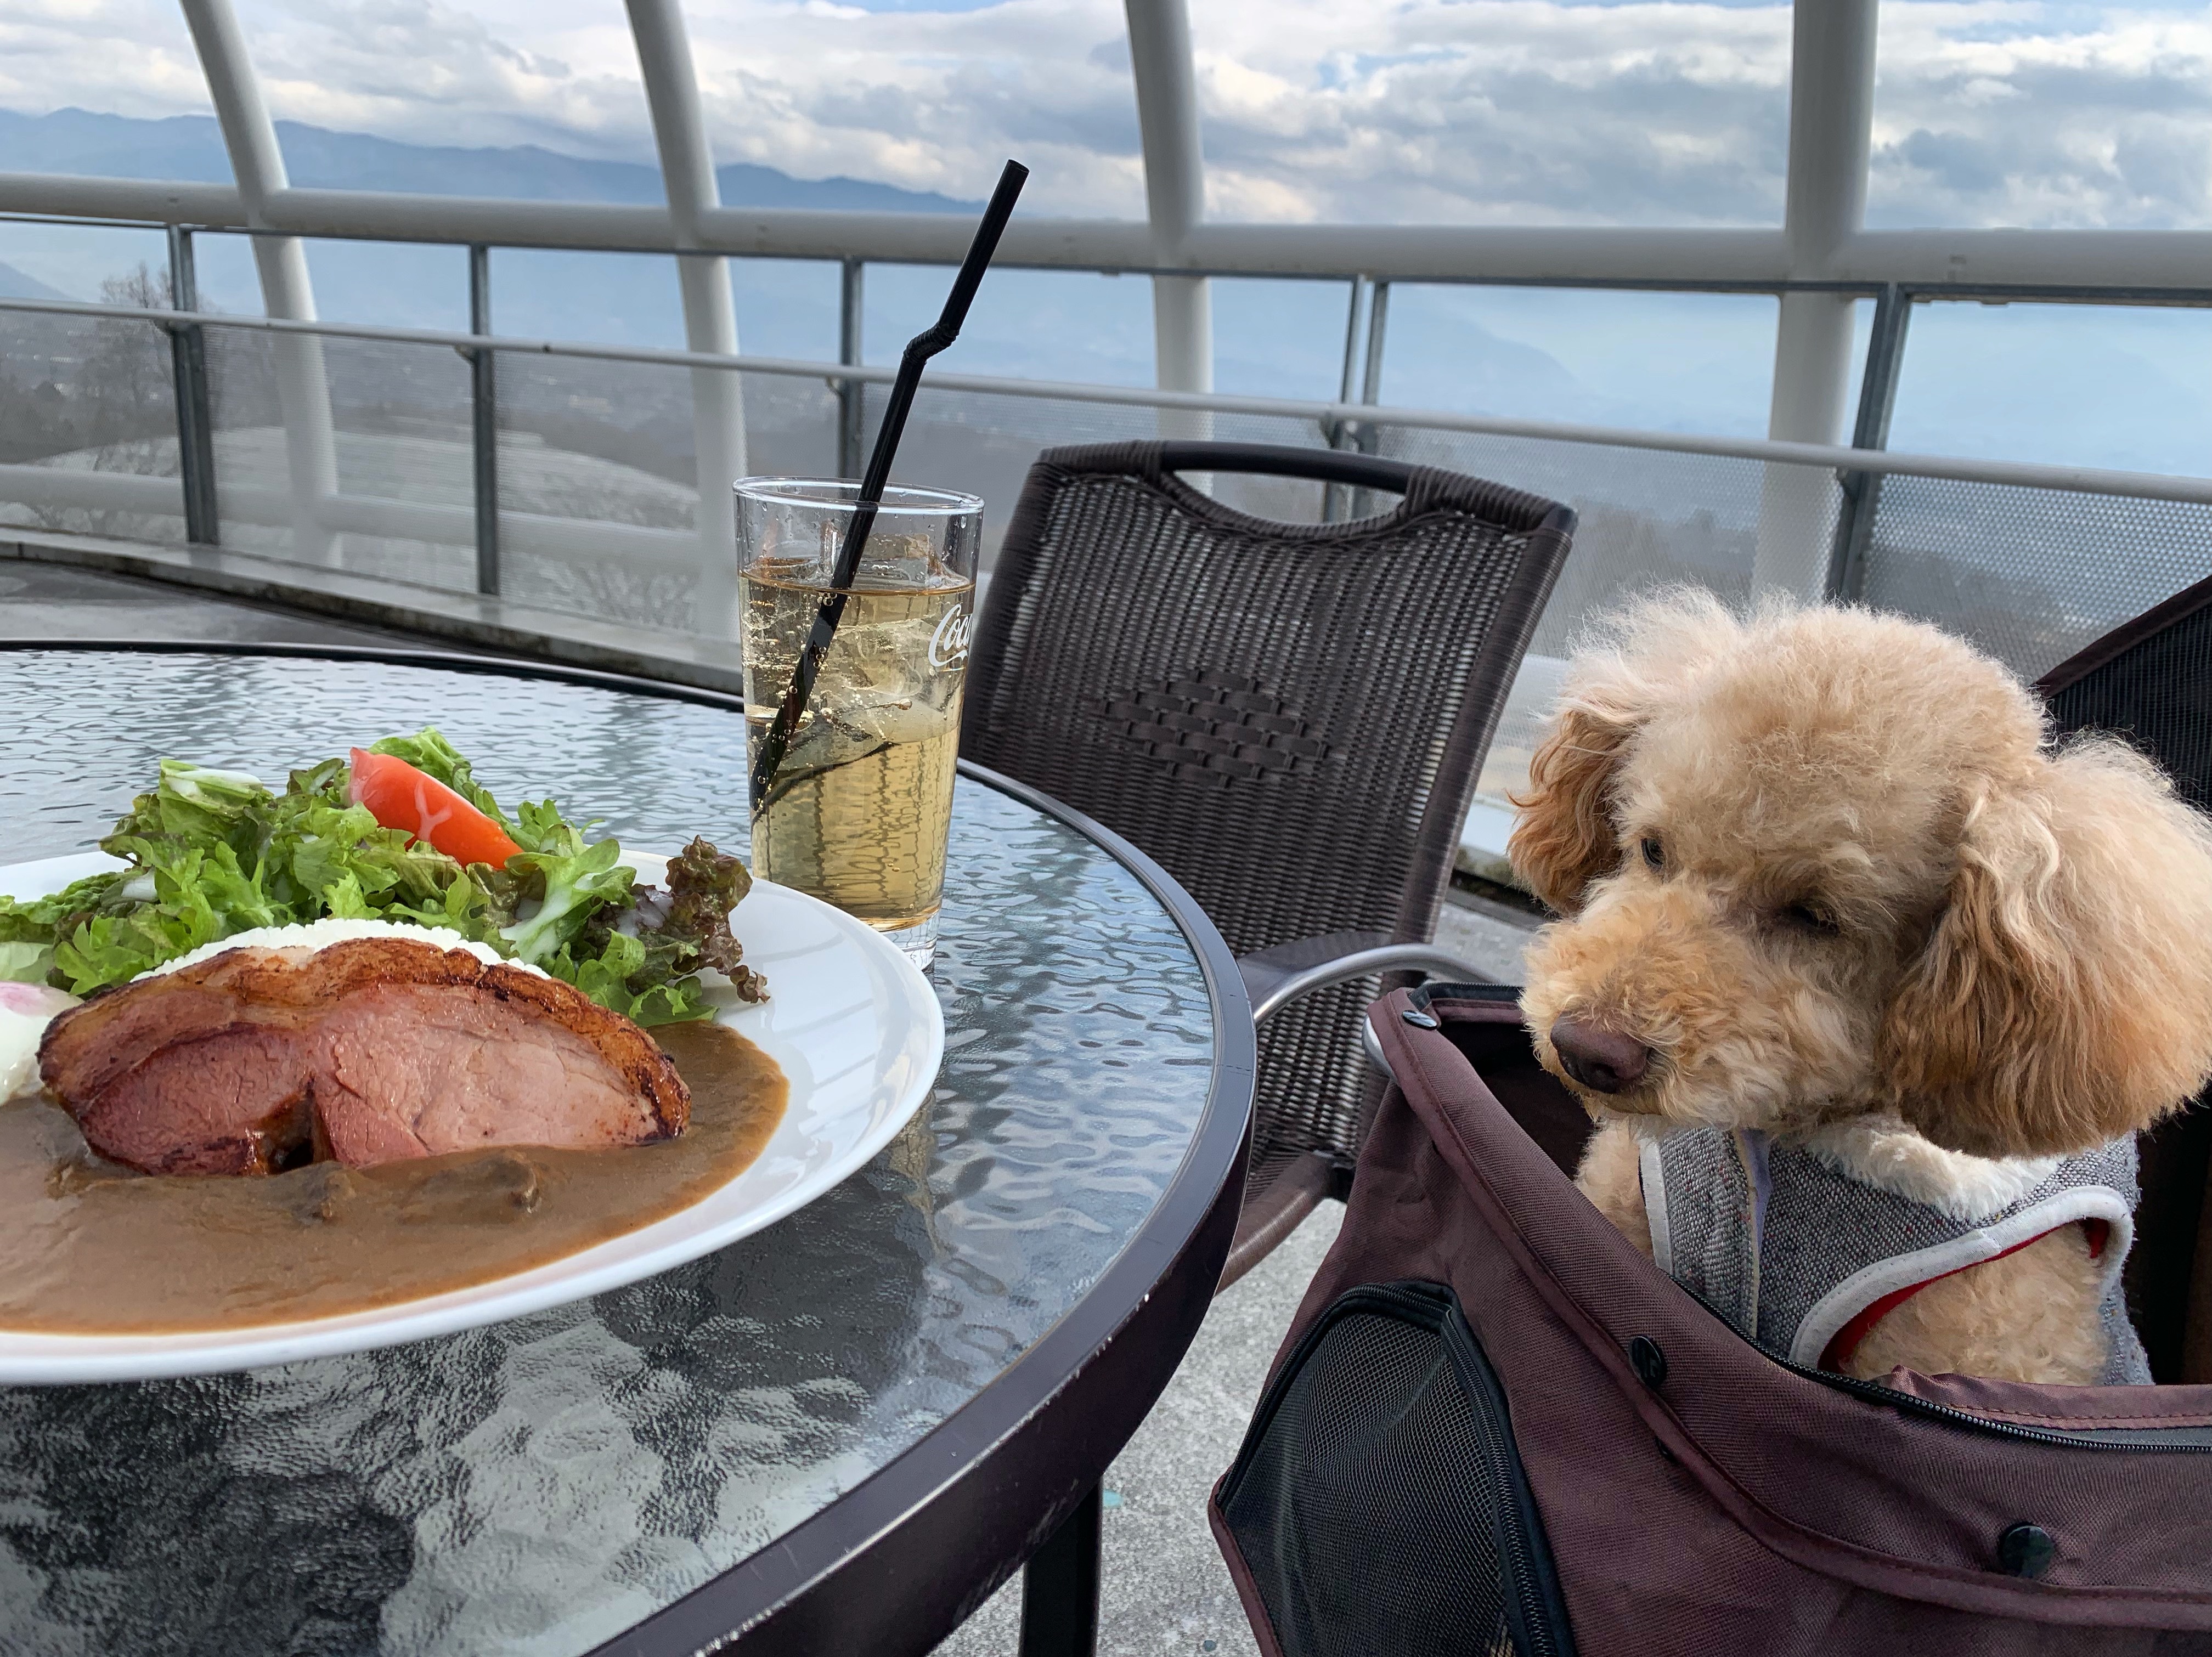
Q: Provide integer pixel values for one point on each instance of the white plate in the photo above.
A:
(855, 1027)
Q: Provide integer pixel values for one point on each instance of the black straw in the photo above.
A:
(922, 347)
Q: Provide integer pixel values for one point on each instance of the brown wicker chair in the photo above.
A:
(1290, 717)
(2150, 682)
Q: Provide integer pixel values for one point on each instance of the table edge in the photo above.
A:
(744, 1603)
(748, 1596)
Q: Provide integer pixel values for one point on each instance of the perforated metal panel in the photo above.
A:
(2030, 575)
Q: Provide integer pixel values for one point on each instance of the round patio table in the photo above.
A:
(839, 1435)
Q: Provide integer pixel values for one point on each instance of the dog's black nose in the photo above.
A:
(1605, 1061)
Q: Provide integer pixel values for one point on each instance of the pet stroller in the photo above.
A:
(1495, 1426)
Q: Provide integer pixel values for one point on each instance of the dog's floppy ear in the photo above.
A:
(1565, 837)
(2064, 995)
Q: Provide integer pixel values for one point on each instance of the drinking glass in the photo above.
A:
(858, 811)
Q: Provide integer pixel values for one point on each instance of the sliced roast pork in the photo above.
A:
(366, 1052)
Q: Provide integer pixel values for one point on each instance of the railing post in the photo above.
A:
(1174, 201)
(1832, 62)
(1370, 378)
(303, 385)
(1893, 309)
(195, 424)
(1335, 431)
(852, 401)
(1370, 389)
(484, 418)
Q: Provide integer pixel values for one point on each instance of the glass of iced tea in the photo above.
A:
(858, 811)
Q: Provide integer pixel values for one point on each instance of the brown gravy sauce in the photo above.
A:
(86, 1247)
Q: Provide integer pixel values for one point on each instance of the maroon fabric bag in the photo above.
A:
(1495, 1426)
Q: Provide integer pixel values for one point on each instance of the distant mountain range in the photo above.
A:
(14, 284)
(190, 147)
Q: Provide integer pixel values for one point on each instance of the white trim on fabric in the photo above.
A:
(1869, 1284)
(1885, 1153)
(1653, 1178)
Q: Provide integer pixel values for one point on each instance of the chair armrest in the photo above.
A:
(1265, 970)
(1276, 977)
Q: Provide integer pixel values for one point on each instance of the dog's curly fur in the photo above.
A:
(1826, 863)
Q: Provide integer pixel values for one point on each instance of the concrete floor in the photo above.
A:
(1485, 935)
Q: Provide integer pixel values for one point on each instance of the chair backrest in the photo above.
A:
(1289, 717)
(2150, 682)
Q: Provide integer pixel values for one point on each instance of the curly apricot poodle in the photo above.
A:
(1868, 983)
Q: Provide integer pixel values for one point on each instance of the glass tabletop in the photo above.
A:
(541, 1485)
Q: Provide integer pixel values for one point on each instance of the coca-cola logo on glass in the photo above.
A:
(949, 644)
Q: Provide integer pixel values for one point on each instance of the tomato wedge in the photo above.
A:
(399, 796)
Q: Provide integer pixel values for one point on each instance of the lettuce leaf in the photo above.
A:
(566, 887)
(214, 853)
(25, 962)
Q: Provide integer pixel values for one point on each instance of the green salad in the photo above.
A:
(213, 852)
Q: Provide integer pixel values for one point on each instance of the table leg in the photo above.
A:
(1059, 1587)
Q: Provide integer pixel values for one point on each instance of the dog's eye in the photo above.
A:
(1654, 852)
(1808, 917)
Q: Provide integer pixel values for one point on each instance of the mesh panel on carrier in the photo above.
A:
(1379, 1505)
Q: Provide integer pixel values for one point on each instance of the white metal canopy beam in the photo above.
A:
(1175, 193)
(2121, 260)
(1830, 125)
(710, 319)
(256, 162)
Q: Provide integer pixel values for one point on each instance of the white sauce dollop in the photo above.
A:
(26, 1009)
(321, 934)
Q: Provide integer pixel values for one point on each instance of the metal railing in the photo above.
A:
(1855, 471)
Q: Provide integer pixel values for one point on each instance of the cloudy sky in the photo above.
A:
(1989, 112)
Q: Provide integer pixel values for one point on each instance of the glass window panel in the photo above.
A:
(1494, 111)
(75, 262)
(443, 97)
(787, 307)
(928, 99)
(1282, 338)
(1035, 325)
(2045, 112)
(1701, 362)
(606, 299)
(87, 411)
(2128, 387)
(223, 265)
(390, 284)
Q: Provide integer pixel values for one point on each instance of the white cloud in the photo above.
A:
(1981, 117)
(122, 57)
(1492, 111)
